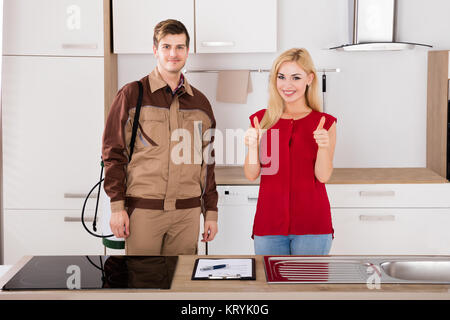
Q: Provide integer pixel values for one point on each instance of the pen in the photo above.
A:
(218, 266)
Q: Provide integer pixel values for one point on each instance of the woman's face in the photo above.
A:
(292, 81)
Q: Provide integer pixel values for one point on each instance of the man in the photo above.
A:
(156, 199)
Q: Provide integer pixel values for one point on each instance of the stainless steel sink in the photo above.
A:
(418, 270)
(358, 269)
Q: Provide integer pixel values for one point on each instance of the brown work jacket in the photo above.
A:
(172, 165)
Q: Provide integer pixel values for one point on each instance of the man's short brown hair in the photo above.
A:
(169, 26)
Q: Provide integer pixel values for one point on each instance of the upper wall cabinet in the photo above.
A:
(134, 20)
(52, 126)
(220, 26)
(236, 26)
(53, 27)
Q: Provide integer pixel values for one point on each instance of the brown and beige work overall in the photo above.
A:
(169, 178)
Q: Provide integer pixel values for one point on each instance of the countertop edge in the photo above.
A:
(180, 287)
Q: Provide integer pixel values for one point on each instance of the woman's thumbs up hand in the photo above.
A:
(321, 135)
(256, 123)
(253, 135)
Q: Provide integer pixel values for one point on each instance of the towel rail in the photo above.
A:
(251, 70)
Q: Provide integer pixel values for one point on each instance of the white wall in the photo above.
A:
(379, 98)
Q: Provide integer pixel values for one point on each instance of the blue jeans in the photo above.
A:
(308, 244)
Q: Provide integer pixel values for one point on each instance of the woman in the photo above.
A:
(293, 212)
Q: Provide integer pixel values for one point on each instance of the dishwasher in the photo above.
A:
(237, 207)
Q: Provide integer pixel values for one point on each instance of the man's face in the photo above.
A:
(172, 52)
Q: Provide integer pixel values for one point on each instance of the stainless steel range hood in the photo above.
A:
(374, 27)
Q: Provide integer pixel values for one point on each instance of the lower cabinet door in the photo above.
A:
(397, 231)
(235, 224)
(51, 232)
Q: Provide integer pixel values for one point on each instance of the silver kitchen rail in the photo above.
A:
(324, 71)
(251, 70)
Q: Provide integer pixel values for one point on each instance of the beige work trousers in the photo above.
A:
(159, 232)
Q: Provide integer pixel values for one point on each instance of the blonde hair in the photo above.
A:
(276, 104)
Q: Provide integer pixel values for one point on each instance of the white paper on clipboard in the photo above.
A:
(235, 267)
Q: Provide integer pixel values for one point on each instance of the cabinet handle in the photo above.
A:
(79, 195)
(365, 217)
(78, 219)
(79, 46)
(377, 193)
(217, 43)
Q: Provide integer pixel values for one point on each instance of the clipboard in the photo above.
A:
(237, 269)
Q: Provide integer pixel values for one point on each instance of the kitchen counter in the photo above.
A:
(234, 175)
(183, 288)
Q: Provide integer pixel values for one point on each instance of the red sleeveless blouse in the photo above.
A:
(291, 200)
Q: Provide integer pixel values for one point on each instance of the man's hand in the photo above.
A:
(120, 224)
(210, 231)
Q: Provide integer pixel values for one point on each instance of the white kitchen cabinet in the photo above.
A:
(367, 219)
(389, 195)
(390, 218)
(52, 130)
(220, 26)
(236, 26)
(134, 21)
(237, 207)
(53, 27)
(47, 232)
(396, 231)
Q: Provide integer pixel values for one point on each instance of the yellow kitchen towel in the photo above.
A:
(233, 86)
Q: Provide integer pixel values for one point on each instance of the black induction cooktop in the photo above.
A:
(94, 272)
